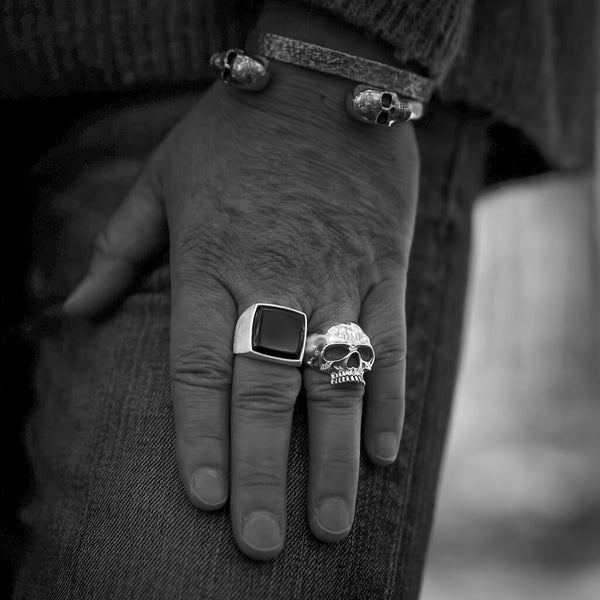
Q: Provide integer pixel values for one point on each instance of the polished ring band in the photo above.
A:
(271, 333)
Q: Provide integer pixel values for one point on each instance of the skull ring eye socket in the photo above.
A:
(335, 352)
(366, 353)
(386, 100)
(230, 59)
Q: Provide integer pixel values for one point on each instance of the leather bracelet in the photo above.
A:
(386, 95)
(334, 62)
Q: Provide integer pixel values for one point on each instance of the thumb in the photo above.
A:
(134, 234)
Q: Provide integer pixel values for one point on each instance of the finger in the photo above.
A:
(202, 324)
(133, 235)
(262, 404)
(334, 420)
(384, 321)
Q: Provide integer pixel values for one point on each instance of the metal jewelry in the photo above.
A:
(385, 94)
(250, 73)
(271, 333)
(344, 351)
(381, 107)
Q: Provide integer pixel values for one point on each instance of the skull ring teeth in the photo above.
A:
(344, 351)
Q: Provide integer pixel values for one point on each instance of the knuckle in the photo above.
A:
(390, 353)
(194, 274)
(198, 426)
(336, 397)
(264, 397)
(104, 244)
(393, 257)
(201, 368)
(339, 459)
(189, 247)
(202, 258)
(266, 476)
(196, 378)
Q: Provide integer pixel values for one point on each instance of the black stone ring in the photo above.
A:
(272, 333)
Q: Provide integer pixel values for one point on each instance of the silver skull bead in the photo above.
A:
(250, 73)
(378, 107)
(344, 351)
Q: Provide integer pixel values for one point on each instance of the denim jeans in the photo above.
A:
(108, 518)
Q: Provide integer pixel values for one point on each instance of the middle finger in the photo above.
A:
(262, 404)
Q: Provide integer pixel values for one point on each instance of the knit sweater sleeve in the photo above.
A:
(428, 32)
(58, 47)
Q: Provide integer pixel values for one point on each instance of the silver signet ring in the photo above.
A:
(271, 333)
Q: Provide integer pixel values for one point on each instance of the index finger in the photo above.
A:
(202, 324)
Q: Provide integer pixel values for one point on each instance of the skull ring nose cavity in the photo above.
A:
(344, 351)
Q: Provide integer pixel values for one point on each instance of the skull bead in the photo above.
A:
(380, 107)
(243, 71)
(344, 351)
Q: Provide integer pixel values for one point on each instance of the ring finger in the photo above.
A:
(334, 421)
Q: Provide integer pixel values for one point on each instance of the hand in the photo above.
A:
(274, 197)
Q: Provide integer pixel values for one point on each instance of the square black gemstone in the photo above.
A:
(278, 332)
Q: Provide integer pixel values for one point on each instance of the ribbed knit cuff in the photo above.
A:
(428, 32)
(61, 47)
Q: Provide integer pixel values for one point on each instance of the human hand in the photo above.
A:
(276, 197)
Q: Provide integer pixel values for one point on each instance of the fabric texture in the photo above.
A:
(531, 63)
(109, 517)
(428, 32)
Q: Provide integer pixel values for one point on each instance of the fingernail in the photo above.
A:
(333, 516)
(386, 446)
(208, 485)
(262, 531)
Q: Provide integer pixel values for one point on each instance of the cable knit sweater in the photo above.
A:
(530, 63)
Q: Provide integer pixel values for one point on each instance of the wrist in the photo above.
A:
(310, 91)
(316, 62)
(315, 41)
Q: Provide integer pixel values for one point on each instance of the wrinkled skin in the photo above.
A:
(273, 197)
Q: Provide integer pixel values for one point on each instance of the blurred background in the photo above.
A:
(518, 513)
